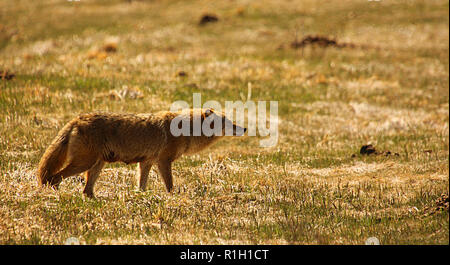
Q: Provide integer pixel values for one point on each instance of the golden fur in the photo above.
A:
(88, 141)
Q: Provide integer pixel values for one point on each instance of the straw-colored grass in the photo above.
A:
(389, 88)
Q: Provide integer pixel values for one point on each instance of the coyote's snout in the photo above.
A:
(90, 140)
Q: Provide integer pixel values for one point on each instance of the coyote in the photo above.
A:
(88, 141)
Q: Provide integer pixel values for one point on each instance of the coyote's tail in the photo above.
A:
(54, 157)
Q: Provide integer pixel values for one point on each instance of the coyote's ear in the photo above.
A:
(209, 112)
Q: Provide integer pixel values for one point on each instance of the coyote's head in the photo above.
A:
(203, 127)
(204, 123)
(215, 122)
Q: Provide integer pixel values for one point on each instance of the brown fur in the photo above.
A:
(90, 140)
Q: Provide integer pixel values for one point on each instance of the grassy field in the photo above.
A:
(388, 87)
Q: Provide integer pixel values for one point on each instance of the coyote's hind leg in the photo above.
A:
(144, 169)
(73, 168)
(91, 176)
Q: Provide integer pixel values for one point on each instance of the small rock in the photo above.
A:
(110, 47)
(208, 18)
(367, 150)
(182, 74)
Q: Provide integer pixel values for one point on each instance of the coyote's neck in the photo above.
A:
(198, 143)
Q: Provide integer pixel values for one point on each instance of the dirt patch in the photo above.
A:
(6, 75)
(371, 150)
(109, 47)
(319, 41)
(208, 18)
(441, 204)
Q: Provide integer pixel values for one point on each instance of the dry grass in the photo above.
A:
(390, 89)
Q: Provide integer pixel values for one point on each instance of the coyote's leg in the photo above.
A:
(165, 169)
(91, 177)
(144, 168)
(73, 168)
